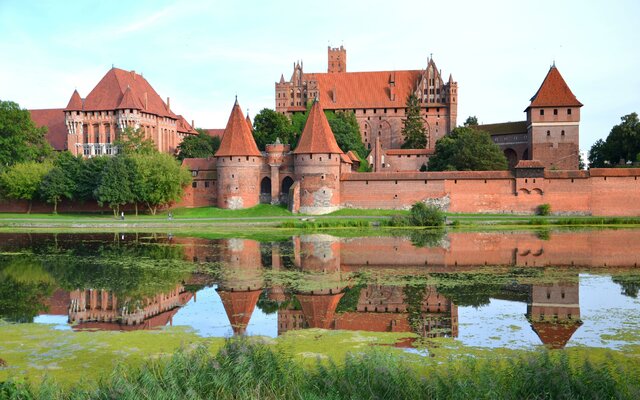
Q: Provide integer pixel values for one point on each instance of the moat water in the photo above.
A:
(512, 290)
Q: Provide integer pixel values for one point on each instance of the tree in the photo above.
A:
(22, 181)
(467, 149)
(622, 143)
(56, 185)
(20, 139)
(89, 177)
(269, 125)
(413, 130)
(201, 145)
(134, 141)
(471, 121)
(115, 188)
(344, 126)
(158, 180)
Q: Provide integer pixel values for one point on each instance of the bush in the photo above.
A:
(544, 209)
(426, 215)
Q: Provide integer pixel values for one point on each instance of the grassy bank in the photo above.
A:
(244, 369)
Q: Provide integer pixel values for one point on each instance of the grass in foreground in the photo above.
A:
(249, 370)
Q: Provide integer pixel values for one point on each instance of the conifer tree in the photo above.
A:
(413, 130)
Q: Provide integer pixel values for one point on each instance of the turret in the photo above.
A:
(317, 165)
(553, 120)
(73, 118)
(336, 59)
(238, 163)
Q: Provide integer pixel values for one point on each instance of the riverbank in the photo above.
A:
(267, 217)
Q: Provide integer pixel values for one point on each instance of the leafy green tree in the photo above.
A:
(413, 130)
(201, 145)
(471, 121)
(269, 125)
(20, 139)
(158, 180)
(116, 184)
(622, 143)
(134, 141)
(344, 126)
(22, 181)
(55, 186)
(426, 215)
(89, 177)
(467, 149)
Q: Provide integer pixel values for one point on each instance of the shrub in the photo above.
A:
(544, 209)
(426, 215)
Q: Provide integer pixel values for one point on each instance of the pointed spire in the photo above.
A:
(129, 101)
(281, 78)
(239, 307)
(249, 121)
(317, 136)
(75, 103)
(450, 78)
(554, 91)
(237, 139)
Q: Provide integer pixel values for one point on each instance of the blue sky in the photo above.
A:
(203, 53)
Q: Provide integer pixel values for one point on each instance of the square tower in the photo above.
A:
(337, 59)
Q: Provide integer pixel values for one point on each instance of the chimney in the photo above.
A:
(168, 104)
(193, 124)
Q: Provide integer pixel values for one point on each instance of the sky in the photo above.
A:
(202, 54)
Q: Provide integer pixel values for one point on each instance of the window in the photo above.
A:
(194, 173)
(568, 111)
(548, 133)
(206, 184)
(562, 133)
(555, 111)
(541, 112)
(194, 184)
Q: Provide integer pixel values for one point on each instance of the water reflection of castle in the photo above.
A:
(325, 300)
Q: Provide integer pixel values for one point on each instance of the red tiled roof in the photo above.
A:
(319, 310)
(352, 156)
(239, 306)
(555, 335)
(397, 152)
(249, 123)
(237, 139)
(529, 164)
(345, 158)
(364, 89)
(129, 101)
(184, 127)
(108, 93)
(503, 128)
(198, 164)
(214, 132)
(75, 103)
(554, 91)
(317, 136)
(53, 119)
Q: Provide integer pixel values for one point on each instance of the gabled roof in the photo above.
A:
(553, 92)
(129, 101)
(350, 90)
(198, 164)
(108, 93)
(503, 128)
(352, 156)
(184, 127)
(237, 139)
(239, 307)
(317, 136)
(214, 132)
(75, 103)
(53, 119)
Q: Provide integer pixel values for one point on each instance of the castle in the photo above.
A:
(121, 99)
(378, 99)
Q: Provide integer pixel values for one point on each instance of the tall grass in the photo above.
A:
(326, 223)
(246, 370)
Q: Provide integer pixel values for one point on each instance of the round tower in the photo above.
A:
(316, 161)
(238, 162)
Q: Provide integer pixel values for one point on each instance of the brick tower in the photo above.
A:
(238, 163)
(337, 59)
(553, 122)
(317, 165)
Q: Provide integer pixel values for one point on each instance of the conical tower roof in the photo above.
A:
(317, 136)
(555, 335)
(75, 103)
(249, 122)
(237, 139)
(239, 307)
(554, 92)
(129, 101)
(319, 310)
